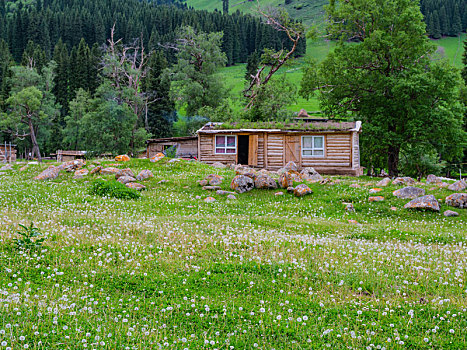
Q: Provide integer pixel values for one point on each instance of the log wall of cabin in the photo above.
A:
(275, 151)
(185, 148)
(207, 151)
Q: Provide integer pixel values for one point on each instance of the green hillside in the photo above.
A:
(310, 11)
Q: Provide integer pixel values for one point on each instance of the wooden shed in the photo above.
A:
(328, 146)
(7, 153)
(186, 147)
(65, 156)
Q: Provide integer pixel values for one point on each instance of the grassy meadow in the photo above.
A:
(171, 271)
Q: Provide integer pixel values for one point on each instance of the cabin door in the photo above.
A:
(292, 149)
(243, 149)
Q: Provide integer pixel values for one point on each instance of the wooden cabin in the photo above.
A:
(328, 146)
(186, 147)
(65, 156)
(7, 153)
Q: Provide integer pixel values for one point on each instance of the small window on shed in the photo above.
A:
(226, 144)
(313, 146)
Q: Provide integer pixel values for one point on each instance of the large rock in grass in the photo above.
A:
(458, 186)
(50, 173)
(384, 182)
(291, 166)
(126, 179)
(433, 179)
(450, 213)
(122, 158)
(403, 181)
(310, 174)
(157, 157)
(124, 172)
(286, 180)
(109, 171)
(242, 184)
(428, 202)
(214, 179)
(6, 167)
(96, 170)
(302, 190)
(265, 182)
(144, 174)
(409, 192)
(219, 165)
(136, 186)
(72, 165)
(79, 174)
(458, 200)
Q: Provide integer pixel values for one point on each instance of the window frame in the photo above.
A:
(225, 148)
(313, 149)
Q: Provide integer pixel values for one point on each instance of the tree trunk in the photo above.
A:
(35, 146)
(393, 160)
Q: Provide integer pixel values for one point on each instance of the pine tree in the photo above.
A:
(225, 6)
(61, 90)
(252, 64)
(436, 27)
(456, 27)
(5, 73)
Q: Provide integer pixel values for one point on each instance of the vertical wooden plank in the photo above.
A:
(265, 150)
(291, 149)
(253, 150)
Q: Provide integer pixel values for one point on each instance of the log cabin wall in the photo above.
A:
(207, 151)
(185, 148)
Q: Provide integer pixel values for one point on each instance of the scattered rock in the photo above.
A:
(458, 186)
(355, 185)
(310, 174)
(203, 182)
(198, 197)
(442, 185)
(211, 188)
(458, 200)
(50, 173)
(81, 172)
(23, 168)
(384, 182)
(285, 180)
(325, 181)
(122, 158)
(144, 174)
(96, 170)
(251, 175)
(354, 222)
(135, 186)
(33, 163)
(214, 179)
(450, 213)
(349, 207)
(428, 202)
(222, 193)
(433, 179)
(375, 190)
(376, 199)
(302, 190)
(109, 171)
(241, 184)
(126, 179)
(72, 165)
(125, 172)
(291, 189)
(231, 196)
(157, 157)
(279, 193)
(409, 192)
(265, 182)
(219, 165)
(174, 160)
(393, 208)
(6, 167)
(291, 166)
(403, 181)
(209, 199)
(162, 182)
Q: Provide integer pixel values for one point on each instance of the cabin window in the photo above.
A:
(226, 144)
(313, 146)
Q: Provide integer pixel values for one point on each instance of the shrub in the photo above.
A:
(29, 238)
(113, 189)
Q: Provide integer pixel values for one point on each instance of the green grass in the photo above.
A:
(172, 271)
(452, 49)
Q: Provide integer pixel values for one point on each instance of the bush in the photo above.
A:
(29, 238)
(113, 189)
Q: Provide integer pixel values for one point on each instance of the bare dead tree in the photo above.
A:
(272, 61)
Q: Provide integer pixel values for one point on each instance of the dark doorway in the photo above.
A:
(243, 145)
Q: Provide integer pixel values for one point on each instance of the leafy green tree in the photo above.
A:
(25, 115)
(252, 64)
(387, 80)
(194, 80)
(464, 62)
(74, 133)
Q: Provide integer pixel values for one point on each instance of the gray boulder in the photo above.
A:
(458, 186)
(265, 182)
(433, 179)
(50, 173)
(458, 200)
(409, 192)
(384, 182)
(218, 165)
(302, 190)
(310, 174)
(144, 174)
(428, 202)
(126, 179)
(242, 184)
(450, 213)
(403, 181)
(291, 166)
